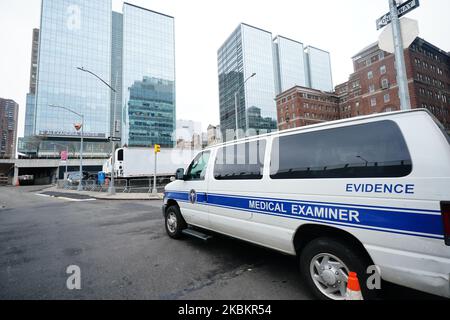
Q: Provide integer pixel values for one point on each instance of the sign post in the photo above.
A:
(65, 158)
(393, 17)
(157, 150)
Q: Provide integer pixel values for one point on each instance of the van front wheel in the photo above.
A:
(325, 264)
(174, 222)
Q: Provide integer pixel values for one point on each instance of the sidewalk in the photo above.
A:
(106, 196)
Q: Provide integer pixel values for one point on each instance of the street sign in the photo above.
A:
(115, 139)
(410, 31)
(402, 9)
(64, 155)
(157, 148)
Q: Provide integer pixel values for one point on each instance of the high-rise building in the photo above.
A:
(280, 63)
(116, 74)
(132, 51)
(318, 66)
(148, 77)
(248, 50)
(290, 67)
(372, 88)
(74, 34)
(31, 95)
(9, 111)
(34, 60)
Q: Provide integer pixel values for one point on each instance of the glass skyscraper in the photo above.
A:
(133, 51)
(319, 69)
(248, 50)
(149, 111)
(74, 34)
(280, 63)
(290, 67)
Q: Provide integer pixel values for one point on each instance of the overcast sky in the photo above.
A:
(340, 27)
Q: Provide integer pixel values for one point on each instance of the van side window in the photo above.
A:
(371, 150)
(120, 155)
(197, 169)
(243, 161)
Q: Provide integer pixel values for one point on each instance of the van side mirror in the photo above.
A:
(179, 175)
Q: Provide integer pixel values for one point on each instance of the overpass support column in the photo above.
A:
(16, 176)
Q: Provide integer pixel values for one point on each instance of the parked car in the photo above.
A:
(27, 179)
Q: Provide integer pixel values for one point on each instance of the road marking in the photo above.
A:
(64, 198)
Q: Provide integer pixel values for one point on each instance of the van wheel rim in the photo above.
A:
(172, 222)
(330, 275)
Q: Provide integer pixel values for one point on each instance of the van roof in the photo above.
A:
(324, 125)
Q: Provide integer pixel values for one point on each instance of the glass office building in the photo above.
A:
(149, 110)
(116, 73)
(248, 50)
(319, 69)
(132, 51)
(29, 115)
(74, 34)
(290, 68)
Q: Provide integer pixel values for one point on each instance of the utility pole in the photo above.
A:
(402, 79)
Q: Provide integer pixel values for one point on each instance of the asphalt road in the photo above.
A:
(124, 253)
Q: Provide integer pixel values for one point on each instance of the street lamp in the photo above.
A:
(112, 188)
(80, 184)
(236, 102)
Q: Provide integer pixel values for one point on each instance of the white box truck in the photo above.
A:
(134, 162)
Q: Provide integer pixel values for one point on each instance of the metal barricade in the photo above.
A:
(140, 186)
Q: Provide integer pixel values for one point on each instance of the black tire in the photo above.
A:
(346, 252)
(174, 231)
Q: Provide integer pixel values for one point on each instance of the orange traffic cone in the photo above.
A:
(17, 183)
(353, 288)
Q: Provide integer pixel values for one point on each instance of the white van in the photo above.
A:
(341, 196)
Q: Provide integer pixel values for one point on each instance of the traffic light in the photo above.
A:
(157, 148)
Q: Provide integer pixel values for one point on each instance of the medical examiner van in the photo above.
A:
(341, 196)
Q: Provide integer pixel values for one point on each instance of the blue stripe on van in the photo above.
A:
(397, 219)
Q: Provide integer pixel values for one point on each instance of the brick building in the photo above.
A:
(372, 88)
(300, 106)
(9, 111)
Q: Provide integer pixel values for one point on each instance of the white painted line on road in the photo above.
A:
(77, 200)
(42, 195)
(64, 198)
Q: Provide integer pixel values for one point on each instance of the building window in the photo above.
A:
(373, 102)
(385, 83)
(371, 88)
(387, 97)
(381, 55)
(383, 69)
(370, 75)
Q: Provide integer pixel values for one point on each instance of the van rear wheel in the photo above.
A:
(174, 222)
(325, 264)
